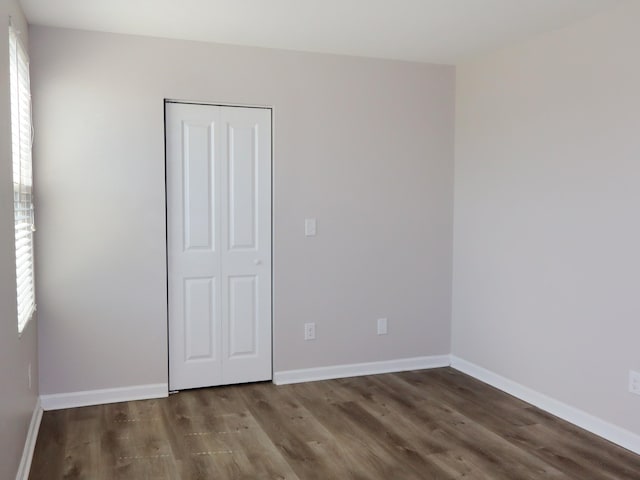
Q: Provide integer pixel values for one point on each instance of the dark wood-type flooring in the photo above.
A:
(433, 424)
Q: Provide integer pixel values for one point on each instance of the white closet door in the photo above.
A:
(218, 244)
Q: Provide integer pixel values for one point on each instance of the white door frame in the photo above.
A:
(271, 168)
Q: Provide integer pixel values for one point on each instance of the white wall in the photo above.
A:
(365, 146)
(547, 214)
(17, 401)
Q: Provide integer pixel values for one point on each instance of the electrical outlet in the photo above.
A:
(29, 375)
(634, 382)
(309, 331)
(382, 326)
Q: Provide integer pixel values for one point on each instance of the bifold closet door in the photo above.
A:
(218, 163)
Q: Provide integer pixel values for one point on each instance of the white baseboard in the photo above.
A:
(109, 395)
(606, 430)
(358, 369)
(30, 443)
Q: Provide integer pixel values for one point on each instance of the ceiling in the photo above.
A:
(439, 31)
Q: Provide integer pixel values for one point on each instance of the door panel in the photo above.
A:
(242, 178)
(200, 318)
(246, 199)
(242, 316)
(198, 188)
(218, 244)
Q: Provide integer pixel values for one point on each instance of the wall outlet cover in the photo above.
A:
(309, 331)
(382, 326)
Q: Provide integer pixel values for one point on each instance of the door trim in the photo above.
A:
(271, 109)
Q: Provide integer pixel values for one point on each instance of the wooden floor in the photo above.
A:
(435, 424)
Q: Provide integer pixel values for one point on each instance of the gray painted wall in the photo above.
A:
(365, 146)
(17, 401)
(547, 229)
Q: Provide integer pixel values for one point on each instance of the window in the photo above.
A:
(21, 139)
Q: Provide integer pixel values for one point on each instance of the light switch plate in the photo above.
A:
(634, 382)
(382, 326)
(310, 227)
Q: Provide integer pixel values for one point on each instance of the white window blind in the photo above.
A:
(21, 140)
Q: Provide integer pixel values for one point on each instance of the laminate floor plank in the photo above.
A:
(51, 444)
(359, 403)
(494, 414)
(365, 456)
(439, 439)
(459, 466)
(494, 456)
(588, 457)
(82, 449)
(262, 458)
(433, 425)
(501, 423)
(520, 423)
(584, 446)
(295, 432)
(423, 436)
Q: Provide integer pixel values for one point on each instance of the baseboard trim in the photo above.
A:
(98, 397)
(595, 425)
(359, 369)
(30, 443)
